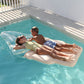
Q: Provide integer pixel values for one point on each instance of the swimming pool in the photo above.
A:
(17, 70)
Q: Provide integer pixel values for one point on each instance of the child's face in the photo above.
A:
(33, 33)
(22, 39)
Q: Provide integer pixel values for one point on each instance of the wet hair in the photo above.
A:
(35, 29)
(17, 41)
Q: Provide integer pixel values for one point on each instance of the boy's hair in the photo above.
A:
(35, 29)
(17, 41)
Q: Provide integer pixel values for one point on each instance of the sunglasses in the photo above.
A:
(21, 38)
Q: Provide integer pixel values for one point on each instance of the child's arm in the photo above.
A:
(30, 39)
(17, 47)
(33, 38)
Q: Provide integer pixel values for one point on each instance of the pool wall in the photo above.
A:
(61, 23)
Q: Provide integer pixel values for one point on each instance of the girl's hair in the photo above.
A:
(35, 29)
(17, 41)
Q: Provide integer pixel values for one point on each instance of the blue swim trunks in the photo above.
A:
(50, 44)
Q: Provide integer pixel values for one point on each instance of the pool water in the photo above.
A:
(18, 70)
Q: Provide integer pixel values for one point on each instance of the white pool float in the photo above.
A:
(10, 37)
(49, 60)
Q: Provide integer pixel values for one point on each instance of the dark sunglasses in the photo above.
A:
(21, 37)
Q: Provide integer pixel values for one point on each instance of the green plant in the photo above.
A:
(0, 5)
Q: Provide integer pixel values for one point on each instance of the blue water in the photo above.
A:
(18, 70)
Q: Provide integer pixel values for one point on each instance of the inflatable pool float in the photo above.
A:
(10, 37)
(49, 60)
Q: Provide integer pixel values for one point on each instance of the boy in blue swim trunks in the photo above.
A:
(41, 40)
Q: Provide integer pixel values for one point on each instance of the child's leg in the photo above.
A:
(65, 50)
(53, 53)
(60, 49)
(65, 45)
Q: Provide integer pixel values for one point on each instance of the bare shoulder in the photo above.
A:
(41, 35)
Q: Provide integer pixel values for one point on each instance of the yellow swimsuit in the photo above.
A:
(32, 45)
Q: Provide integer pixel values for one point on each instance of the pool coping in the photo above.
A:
(48, 17)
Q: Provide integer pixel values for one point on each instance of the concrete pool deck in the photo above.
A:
(68, 26)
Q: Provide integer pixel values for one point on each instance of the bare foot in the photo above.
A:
(70, 58)
(75, 46)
